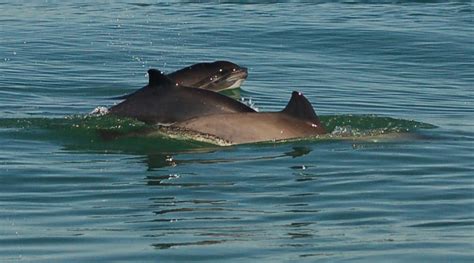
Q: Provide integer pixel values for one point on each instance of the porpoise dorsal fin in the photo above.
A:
(158, 78)
(299, 107)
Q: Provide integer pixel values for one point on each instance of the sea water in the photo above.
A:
(406, 67)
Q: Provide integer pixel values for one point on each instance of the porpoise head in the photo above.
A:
(215, 76)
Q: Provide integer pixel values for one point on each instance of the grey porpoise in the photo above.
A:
(163, 101)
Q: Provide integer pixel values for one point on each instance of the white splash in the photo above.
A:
(342, 131)
(99, 111)
(249, 103)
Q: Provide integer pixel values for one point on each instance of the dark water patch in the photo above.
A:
(140, 4)
(197, 243)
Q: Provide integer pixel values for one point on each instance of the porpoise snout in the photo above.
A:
(240, 73)
(245, 71)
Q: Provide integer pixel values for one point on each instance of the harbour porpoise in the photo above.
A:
(164, 101)
(216, 76)
(297, 120)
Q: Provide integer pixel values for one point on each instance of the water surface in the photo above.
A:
(66, 195)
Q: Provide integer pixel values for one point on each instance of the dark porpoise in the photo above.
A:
(215, 76)
(164, 101)
(297, 120)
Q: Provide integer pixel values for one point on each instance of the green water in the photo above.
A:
(108, 133)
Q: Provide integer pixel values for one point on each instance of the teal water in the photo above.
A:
(404, 68)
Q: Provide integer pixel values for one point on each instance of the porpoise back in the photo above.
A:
(165, 101)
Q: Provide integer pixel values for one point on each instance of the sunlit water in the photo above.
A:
(68, 194)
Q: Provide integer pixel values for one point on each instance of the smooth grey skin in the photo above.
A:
(297, 120)
(216, 76)
(164, 101)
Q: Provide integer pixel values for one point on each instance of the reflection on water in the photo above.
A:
(218, 220)
(156, 161)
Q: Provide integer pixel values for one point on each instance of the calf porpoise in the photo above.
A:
(216, 76)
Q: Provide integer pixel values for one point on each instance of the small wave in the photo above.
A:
(369, 124)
